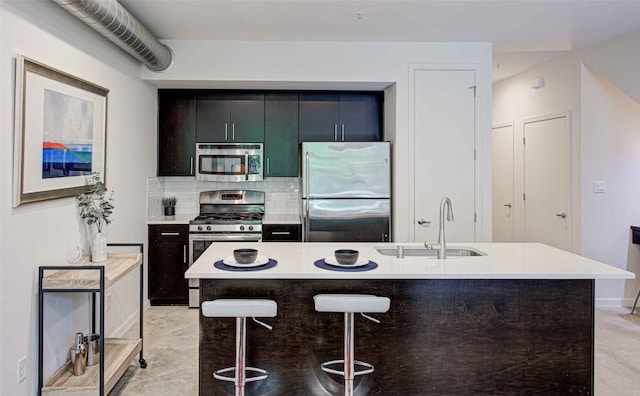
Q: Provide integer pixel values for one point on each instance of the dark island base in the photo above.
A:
(440, 337)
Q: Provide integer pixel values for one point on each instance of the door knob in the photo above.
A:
(508, 205)
(422, 221)
(563, 215)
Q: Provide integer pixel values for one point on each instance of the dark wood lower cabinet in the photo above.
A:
(281, 232)
(440, 337)
(168, 261)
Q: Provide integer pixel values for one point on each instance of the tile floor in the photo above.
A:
(171, 351)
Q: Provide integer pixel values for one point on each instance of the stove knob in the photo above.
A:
(199, 228)
(250, 228)
(208, 228)
(241, 228)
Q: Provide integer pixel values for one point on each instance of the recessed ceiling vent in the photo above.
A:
(114, 22)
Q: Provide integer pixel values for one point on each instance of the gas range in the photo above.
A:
(229, 211)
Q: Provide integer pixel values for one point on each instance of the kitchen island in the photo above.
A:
(516, 320)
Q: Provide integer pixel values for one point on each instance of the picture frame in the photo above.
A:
(59, 135)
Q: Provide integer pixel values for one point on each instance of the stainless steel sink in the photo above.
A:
(420, 251)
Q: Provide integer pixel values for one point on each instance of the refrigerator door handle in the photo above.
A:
(306, 228)
(246, 165)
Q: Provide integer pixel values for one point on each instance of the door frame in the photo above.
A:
(568, 162)
(479, 160)
(508, 124)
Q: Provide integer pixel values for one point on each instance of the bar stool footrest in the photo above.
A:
(218, 374)
(367, 370)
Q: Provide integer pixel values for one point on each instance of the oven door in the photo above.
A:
(229, 162)
(198, 243)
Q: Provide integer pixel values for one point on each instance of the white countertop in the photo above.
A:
(177, 219)
(281, 219)
(503, 261)
(186, 218)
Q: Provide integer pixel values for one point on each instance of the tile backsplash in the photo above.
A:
(282, 194)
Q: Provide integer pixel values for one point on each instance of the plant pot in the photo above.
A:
(99, 248)
(170, 211)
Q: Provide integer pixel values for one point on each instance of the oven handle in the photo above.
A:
(225, 238)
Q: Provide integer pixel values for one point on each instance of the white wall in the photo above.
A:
(37, 234)
(343, 65)
(601, 222)
(610, 153)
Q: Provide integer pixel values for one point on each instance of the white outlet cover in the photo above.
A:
(599, 187)
(22, 369)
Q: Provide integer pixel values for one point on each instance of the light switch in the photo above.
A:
(599, 187)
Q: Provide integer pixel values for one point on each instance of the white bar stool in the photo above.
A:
(350, 304)
(240, 309)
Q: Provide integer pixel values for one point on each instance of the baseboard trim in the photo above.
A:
(609, 302)
(129, 322)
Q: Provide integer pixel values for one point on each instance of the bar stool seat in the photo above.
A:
(231, 308)
(240, 309)
(350, 304)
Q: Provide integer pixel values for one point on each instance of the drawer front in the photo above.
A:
(169, 232)
(281, 233)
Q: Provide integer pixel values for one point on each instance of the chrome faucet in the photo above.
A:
(441, 246)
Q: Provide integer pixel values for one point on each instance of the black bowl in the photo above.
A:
(346, 256)
(245, 256)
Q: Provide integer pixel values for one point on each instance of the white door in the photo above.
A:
(547, 182)
(444, 165)
(502, 176)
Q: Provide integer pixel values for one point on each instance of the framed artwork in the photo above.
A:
(60, 133)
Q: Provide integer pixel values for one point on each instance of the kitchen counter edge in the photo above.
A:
(502, 261)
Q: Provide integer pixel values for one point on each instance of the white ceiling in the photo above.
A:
(524, 33)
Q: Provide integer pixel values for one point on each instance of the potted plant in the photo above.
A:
(96, 209)
(169, 204)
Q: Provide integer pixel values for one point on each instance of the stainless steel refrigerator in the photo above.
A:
(346, 191)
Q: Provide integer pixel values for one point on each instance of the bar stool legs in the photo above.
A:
(240, 309)
(349, 304)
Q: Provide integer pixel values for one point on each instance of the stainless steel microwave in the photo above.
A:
(229, 161)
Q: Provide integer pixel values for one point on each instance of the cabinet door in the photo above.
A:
(247, 118)
(319, 117)
(213, 124)
(176, 133)
(168, 261)
(360, 117)
(281, 135)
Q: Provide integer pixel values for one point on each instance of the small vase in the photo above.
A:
(170, 211)
(99, 248)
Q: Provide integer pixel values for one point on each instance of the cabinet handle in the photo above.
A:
(268, 167)
(184, 254)
(335, 132)
(233, 132)
(169, 233)
(343, 132)
(226, 131)
(281, 233)
(191, 166)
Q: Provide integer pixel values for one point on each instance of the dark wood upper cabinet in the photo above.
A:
(176, 133)
(360, 117)
(230, 117)
(279, 119)
(281, 134)
(348, 117)
(319, 117)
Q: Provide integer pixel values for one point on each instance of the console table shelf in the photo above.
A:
(115, 353)
(118, 353)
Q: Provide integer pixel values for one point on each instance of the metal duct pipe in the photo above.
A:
(114, 22)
